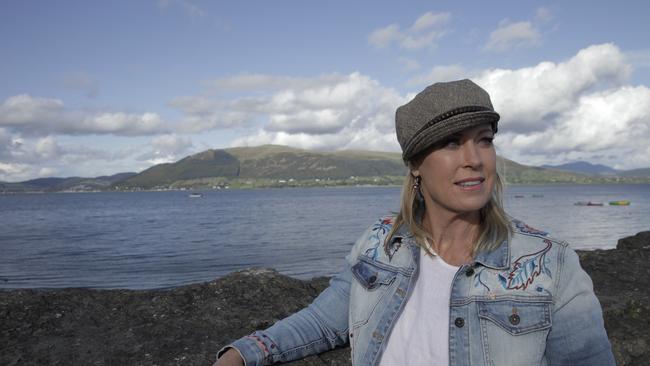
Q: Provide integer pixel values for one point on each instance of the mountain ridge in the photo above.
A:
(278, 166)
(586, 168)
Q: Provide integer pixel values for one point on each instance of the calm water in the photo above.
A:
(162, 239)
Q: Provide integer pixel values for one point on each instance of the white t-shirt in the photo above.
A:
(421, 333)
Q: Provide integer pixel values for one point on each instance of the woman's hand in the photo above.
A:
(230, 358)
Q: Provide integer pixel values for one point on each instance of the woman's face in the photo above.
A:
(458, 174)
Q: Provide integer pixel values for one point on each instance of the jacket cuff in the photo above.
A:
(248, 349)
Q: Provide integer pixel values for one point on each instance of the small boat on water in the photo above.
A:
(196, 195)
(619, 203)
(536, 195)
(588, 203)
(519, 196)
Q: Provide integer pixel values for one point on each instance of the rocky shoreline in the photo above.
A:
(188, 324)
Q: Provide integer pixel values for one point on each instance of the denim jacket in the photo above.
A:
(528, 302)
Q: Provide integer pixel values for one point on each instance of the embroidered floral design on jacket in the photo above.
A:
(394, 247)
(478, 280)
(379, 231)
(524, 228)
(525, 269)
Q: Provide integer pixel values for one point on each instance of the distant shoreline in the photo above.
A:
(275, 166)
(277, 186)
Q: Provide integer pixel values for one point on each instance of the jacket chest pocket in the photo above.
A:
(372, 283)
(371, 274)
(516, 317)
(514, 332)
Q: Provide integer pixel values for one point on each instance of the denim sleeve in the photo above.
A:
(578, 335)
(319, 327)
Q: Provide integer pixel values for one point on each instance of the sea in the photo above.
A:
(147, 240)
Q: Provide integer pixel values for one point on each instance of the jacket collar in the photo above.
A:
(498, 258)
(403, 237)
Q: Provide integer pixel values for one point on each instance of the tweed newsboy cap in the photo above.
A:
(441, 110)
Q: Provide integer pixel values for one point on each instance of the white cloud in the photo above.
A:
(173, 144)
(6, 143)
(45, 116)
(537, 104)
(167, 149)
(424, 32)
(47, 148)
(16, 149)
(580, 109)
(528, 97)
(350, 111)
(415, 42)
(122, 124)
(598, 122)
(317, 106)
(265, 95)
(512, 35)
(47, 172)
(12, 172)
(383, 37)
(429, 20)
(310, 121)
(23, 158)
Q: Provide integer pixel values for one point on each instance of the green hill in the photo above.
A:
(641, 173)
(519, 173)
(268, 162)
(70, 184)
(209, 163)
(286, 163)
(281, 166)
(273, 165)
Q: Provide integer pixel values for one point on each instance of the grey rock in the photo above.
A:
(638, 241)
(189, 324)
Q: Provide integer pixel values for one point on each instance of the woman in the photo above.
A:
(450, 280)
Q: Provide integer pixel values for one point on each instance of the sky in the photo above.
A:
(90, 88)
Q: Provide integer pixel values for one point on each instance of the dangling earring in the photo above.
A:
(418, 203)
(418, 181)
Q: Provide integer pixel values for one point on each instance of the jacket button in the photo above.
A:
(469, 272)
(460, 322)
(514, 319)
(376, 335)
(372, 279)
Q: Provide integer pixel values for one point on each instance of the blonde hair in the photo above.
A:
(494, 226)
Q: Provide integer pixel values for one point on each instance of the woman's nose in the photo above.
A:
(471, 156)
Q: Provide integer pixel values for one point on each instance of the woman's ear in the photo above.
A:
(414, 165)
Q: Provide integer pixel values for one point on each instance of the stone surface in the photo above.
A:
(187, 325)
(638, 241)
(622, 283)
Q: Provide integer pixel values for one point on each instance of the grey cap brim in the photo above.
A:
(437, 132)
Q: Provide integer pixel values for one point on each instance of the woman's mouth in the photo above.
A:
(470, 183)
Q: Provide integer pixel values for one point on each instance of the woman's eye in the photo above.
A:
(451, 143)
(488, 140)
